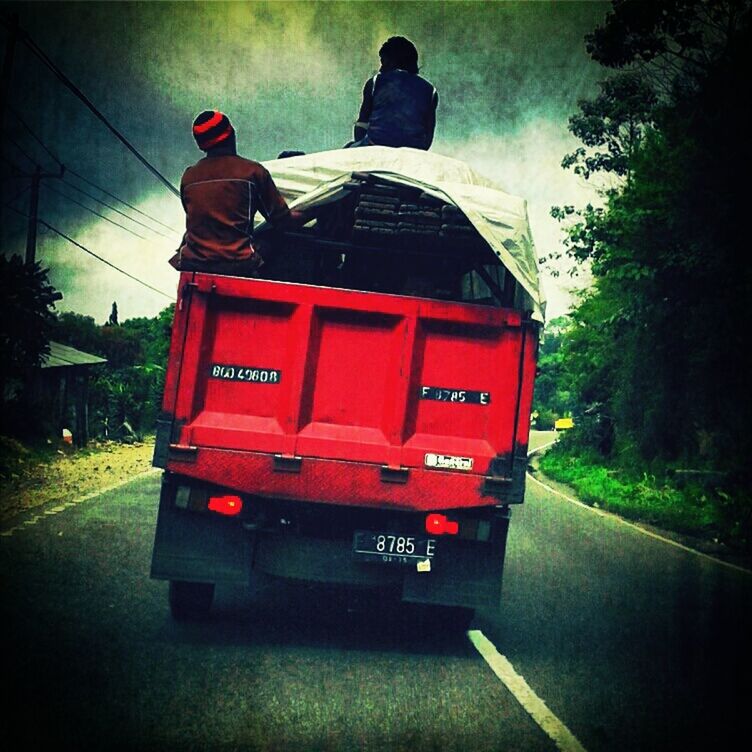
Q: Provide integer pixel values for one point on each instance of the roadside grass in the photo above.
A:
(18, 459)
(709, 513)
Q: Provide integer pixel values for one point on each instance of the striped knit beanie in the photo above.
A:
(211, 128)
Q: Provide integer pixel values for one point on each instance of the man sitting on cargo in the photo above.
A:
(221, 194)
(399, 106)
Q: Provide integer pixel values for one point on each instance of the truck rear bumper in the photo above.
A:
(205, 547)
(338, 482)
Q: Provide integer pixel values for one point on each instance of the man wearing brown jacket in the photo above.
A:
(221, 194)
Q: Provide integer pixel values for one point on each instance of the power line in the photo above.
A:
(104, 261)
(94, 211)
(29, 42)
(18, 195)
(34, 136)
(114, 208)
(91, 183)
(25, 153)
(96, 256)
(125, 203)
(83, 206)
(19, 172)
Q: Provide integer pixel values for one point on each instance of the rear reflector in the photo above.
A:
(438, 524)
(228, 505)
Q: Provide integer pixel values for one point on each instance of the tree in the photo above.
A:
(552, 396)
(653, 344)
(612, 126)
(126, 394)
(113, 319)
(26, 318)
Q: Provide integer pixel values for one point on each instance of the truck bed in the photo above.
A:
(343, 397)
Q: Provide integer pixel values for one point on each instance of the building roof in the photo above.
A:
(61, 356)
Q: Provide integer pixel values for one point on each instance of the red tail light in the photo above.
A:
(228, 505)
(438, 524)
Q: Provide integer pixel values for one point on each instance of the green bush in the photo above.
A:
(646, 498)
(545, 420)
(125, 393)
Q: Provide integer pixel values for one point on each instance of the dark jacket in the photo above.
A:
(220, 195)
(400, 109)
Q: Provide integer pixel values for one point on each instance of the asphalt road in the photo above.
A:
(631, 643)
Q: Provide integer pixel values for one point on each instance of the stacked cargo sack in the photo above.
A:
(407, 218)
(389, 213)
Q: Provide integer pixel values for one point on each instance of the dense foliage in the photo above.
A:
(552, 397)
(126, 393)
(26, 319)
(653, 355)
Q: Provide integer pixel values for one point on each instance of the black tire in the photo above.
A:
(190, 600)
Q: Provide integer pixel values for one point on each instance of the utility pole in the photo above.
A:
(31, 232)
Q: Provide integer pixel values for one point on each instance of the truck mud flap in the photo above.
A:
(470, 577)
(198, 547)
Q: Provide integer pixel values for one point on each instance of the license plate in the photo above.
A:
(392, 548)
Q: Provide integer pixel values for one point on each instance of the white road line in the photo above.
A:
(622, 521)
(562, 737)
(649, 533)
(68, 504)
(542, 446)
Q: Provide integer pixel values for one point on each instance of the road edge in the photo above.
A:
(623, 521)
(54, 507)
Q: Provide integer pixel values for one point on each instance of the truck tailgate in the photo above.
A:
(347, 397)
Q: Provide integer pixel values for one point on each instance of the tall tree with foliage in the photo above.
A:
(27, 300)
(654, 351)
(126, 393)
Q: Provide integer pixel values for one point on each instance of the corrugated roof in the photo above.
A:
(62, 355)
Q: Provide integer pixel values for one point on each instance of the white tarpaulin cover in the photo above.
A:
(500, 218)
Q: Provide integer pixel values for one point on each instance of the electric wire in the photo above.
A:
(15, 114)
(25, 153)
(90, 182)
(29, 42)
(114, 208)
(17, 196)
(95, 255)
(78, 203)
(19, 172)
(112, 195)
(93, 211)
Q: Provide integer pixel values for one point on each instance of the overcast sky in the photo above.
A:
(289, 75)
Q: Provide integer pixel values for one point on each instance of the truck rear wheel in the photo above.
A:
(190, 600)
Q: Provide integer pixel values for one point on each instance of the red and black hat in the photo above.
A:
(211, 128)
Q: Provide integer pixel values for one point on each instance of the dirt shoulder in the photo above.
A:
(33, 479)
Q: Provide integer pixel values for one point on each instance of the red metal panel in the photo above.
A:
(338, 375)
(334, 482)
(477, 357)
(349, 383)
(530, 360)
(177, 342)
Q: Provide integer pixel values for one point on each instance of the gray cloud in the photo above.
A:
(290, 76)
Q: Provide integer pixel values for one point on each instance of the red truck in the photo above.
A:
(361, 415)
